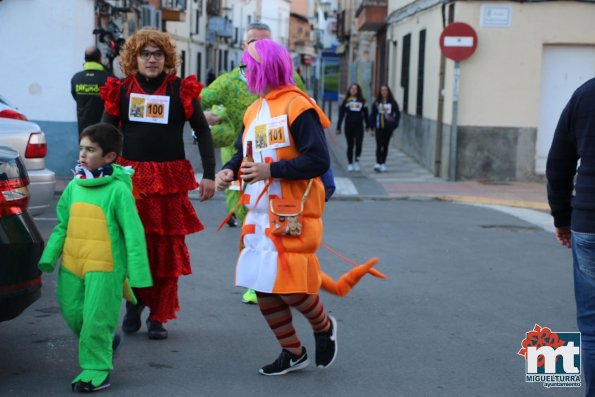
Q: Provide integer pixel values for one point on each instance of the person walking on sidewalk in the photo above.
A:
(574, 216)
(84, 87)
(384, 119)
(355, 112)
(153, 105)
(288, 161)
(102, 243)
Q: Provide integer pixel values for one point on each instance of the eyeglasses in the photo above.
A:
(242, 67)
(146, 55)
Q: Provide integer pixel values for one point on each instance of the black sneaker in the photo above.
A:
(286, 362)
(156, 330)
(326, 345)
(233, 221)
(131, 322)
(87, 387)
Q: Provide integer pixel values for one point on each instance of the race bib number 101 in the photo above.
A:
(149, 108)
(272, 133)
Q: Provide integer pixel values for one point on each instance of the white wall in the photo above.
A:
(240, 14)
(507, 63)
(42, 47)
(190, 42)
(431, 21)
(500, 82)
(276, 15)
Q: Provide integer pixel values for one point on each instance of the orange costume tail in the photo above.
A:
(348, 280)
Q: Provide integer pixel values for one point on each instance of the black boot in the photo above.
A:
(156, 330)
(132, 321)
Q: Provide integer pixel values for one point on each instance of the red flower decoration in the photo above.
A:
(110, 93)
(189, 89)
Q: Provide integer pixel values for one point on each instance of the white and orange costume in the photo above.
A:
(283, 264)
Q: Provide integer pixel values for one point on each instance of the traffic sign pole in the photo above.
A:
(452, 164)
(458, 42)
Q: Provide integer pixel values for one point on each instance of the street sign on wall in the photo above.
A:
(458, 41)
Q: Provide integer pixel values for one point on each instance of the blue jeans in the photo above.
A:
(583, 255)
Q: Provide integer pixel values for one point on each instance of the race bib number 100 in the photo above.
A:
(149, 108)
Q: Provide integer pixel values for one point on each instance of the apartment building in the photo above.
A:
(48, 49)
(530, 57)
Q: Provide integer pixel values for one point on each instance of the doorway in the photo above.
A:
(563, 70)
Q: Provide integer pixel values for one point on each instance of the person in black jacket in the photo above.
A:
(384, 120)
(84, 87)
(355, 112)
(574, 216)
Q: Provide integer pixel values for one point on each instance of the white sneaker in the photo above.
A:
(382, 167)
(356, 166)
(377, 167)
(350, 168)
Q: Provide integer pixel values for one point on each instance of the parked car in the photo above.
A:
(28, 139)
(21, 244)
(9, 111)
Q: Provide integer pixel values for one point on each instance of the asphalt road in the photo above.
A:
(465, 284)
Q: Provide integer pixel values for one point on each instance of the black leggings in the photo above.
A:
(382, 140)
(355, 136)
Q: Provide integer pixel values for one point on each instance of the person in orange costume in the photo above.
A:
(348, 280)
(284, 270)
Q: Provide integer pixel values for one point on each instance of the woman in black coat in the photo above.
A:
(384, 120)
(355, 112)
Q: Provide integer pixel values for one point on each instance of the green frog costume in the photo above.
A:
(102, 242)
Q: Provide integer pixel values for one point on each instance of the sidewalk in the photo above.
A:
(406, 179)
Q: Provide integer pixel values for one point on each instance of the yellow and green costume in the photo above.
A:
(102, 243)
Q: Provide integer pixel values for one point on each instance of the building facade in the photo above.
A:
(356, 50)
(530, 57)
(49, 49)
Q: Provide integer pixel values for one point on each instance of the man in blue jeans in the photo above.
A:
(574, 217)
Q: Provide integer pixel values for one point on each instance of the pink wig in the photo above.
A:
(271, 69)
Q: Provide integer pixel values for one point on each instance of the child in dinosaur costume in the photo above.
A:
(102, 243)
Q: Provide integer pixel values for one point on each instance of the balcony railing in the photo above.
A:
(371, 14)
(173, 10)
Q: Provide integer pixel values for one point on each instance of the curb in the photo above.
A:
(506, 203)
(450, 198)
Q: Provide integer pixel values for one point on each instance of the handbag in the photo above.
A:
(286, 215)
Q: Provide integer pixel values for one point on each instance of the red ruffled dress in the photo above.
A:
(161, 183)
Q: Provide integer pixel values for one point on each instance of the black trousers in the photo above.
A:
(355, 137)
(382, 140)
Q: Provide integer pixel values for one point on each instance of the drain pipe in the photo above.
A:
(440, 115)
(439, 121)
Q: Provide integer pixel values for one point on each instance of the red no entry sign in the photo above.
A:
(458, 41)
